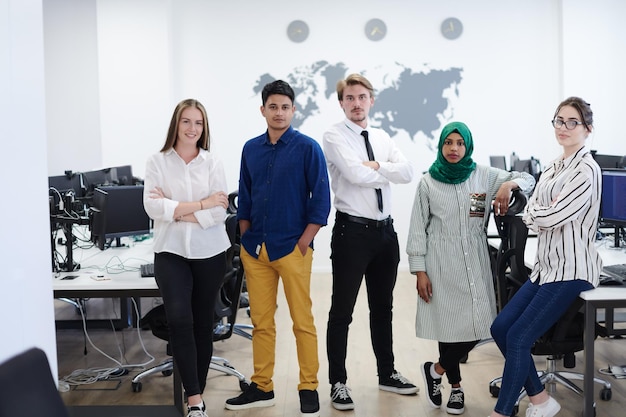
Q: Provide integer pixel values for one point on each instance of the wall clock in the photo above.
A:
(375, 29)
(298, 31)
(451, 28)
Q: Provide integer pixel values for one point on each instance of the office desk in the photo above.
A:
(120, 284)
(608, 298)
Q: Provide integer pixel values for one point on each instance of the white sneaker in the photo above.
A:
(548, 409)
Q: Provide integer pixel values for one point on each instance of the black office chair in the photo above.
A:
(225, 323)
(510, 271)
(563, 339)
(28, 388)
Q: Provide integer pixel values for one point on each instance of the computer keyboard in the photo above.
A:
(147, 270)
(616, 272)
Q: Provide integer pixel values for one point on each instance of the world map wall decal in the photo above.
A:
(406, 99)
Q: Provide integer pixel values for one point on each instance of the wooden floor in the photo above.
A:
(485, 363)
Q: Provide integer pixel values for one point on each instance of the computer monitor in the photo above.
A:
(121, 175)
(59, 189)
(609, 161)
(498, 162)
(528, 165)
(613, 203)
(117, 211)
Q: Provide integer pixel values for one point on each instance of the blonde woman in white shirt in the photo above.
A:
(563, 211)
(185, 195)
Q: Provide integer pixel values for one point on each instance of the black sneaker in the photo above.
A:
(433, 386)
(309, 403)
(397, 383)
(340, 397)
(456, 403)
(251, 398)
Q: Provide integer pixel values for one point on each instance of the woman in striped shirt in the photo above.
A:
(564, 212)
(447, 248)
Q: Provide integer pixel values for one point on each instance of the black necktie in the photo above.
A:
(370, 155)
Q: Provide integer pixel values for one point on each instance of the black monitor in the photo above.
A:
(63, 188)
(121, 175)
(498, 162)
(117, 211)
(528, 165)
(609, 161)
(613, 205)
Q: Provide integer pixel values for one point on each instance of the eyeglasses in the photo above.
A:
(569, 124)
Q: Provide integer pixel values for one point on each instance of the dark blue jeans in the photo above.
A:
(526, 317)
(359, 250)
(189, 288)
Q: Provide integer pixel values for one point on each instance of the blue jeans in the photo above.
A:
(526, 317)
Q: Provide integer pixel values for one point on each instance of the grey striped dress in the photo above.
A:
(448, 239)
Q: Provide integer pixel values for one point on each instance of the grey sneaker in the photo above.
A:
(340, 397)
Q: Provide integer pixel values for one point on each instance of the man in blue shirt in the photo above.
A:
(284, 200)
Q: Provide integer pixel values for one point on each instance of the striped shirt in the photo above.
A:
(448, 240)
(564, 212)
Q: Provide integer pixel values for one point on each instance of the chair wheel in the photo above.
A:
(136, 386)
(167, 372)
(606, 394)
(244, 385)
(494, 390)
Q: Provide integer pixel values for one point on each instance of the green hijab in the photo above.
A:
(444, 171)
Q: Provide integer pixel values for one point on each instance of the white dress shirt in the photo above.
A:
(353, 183)
(182, 182)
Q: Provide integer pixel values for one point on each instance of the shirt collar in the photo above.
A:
(203, 154)
(285, 137)
(354, 127)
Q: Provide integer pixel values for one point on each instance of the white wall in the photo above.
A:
(72, 90)
(26, 304)
(519, 60)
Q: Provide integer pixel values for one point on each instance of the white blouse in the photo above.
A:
(180, 181)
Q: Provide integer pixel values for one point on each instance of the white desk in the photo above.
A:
(120, 267)
(602, 297)
(609, 298)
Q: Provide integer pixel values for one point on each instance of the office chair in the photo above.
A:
(510, 271)
(25, 377)
(565, 337)
(225, 323)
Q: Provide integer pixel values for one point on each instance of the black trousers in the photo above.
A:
(189, 288)
(359, 250)
(450, 355)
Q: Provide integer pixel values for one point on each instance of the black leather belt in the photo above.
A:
(362, 220)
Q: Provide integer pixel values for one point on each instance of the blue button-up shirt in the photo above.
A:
(282, 188)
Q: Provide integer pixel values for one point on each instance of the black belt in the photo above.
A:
(362, 220)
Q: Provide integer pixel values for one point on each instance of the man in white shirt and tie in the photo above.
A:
(363, 161)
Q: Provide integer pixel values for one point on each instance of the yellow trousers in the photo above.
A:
(262, 283)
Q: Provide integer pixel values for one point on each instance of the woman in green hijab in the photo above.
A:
(447, 248)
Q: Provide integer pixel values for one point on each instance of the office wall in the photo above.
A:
(26, 304)
(518, 60)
